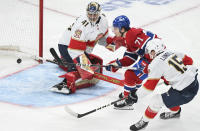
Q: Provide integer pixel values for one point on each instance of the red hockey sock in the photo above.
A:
(175, 109)
(150, 114)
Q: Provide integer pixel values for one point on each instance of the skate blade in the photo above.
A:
(124, 108)
(170, 118)
(63, 91)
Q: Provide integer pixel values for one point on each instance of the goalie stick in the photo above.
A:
(55, 55)
(78, 115)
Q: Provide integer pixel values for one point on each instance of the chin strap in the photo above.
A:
(122, 33)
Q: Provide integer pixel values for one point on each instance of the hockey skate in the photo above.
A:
(122, 105)
(170, 115)
(61, 88)
(126, 103)
(139, 125)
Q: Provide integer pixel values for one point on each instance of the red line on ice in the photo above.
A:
(18, 71)
(50, 9)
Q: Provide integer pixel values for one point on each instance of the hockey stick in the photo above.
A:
(109, 79)
(78, 115)
(55, 55)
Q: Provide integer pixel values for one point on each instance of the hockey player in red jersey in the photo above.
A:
(180, 73)
(135, 40)
(81, 37)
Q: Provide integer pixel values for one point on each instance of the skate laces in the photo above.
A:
(121, 102)
(169, 114)
(140, 123)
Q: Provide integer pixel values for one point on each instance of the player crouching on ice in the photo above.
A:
(135, 40)
(81, 37)
(177, 68)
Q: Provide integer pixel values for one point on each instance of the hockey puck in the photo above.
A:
(19, 60)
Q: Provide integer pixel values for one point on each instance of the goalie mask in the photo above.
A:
(93, 11)
(155, 47)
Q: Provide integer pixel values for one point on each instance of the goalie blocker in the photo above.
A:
(80, 77)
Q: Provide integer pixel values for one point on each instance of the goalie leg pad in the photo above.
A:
(74, 81)
(95, 60)
(63, 49)
(87, 72)
(71, 78)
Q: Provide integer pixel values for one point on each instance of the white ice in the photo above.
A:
(177, 22)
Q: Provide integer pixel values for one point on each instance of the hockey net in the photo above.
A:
(19, 28)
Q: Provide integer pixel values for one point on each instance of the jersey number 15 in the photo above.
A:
(177, 64)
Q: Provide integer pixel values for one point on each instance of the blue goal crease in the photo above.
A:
(31, 88)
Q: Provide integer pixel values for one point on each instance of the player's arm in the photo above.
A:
(65, 38)
(155, 70)
(128, 59)
(113, 43)
(185, 58)
(106, 37)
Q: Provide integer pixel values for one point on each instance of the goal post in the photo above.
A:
(41, 28)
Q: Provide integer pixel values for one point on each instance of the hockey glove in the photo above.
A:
(113, 65)
(111, 47)
(114, 43)
(165, 81)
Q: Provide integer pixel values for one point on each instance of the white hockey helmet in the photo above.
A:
(155, 45)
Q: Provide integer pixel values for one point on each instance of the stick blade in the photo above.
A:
(72, 113)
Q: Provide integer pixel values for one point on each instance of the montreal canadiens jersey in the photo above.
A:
(169, 64)
(136, 40)
(82, 33)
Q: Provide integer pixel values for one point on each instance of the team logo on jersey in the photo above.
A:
(78, 33)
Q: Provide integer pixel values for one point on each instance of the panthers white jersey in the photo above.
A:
(83, 30)
(169, 64)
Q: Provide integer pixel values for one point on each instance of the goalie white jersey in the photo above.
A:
(170, 65)
(82, 34)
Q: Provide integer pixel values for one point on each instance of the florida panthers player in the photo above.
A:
(135, 40)
(81, 37)
(178, 69)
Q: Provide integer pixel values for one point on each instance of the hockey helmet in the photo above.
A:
(93, 11)
(121, 21)
(155, 45)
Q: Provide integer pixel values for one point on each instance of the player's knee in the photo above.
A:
(156, 103)
(130, 77)
(62, 48)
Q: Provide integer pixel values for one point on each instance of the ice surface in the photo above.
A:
(177, 22)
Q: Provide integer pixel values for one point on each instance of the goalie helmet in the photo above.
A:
(155, 45)
(93, 11)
